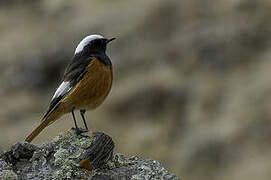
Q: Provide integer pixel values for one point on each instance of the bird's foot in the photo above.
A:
(79, 131)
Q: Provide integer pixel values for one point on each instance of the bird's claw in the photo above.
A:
(79, 131)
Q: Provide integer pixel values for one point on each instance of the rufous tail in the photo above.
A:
(46, 121)
(37, 130)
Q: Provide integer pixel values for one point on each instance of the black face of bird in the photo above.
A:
(97, 45)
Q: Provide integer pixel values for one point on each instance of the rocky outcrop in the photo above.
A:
(68, 156)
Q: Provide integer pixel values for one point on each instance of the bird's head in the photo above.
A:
(92, 43)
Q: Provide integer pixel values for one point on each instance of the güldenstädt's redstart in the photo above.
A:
(86, 82)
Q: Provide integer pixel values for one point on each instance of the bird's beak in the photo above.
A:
(109, 40)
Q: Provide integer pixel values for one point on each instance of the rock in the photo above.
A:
(68, 156)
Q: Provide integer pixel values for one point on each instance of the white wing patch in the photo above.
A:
(85, 41)
(62, 89)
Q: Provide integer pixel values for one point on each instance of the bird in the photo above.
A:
(86, 83)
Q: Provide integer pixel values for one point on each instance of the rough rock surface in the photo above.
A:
(59, 159)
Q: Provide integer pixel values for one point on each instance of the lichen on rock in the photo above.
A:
(60, 159)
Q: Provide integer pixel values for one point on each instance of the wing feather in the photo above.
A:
(64, 88)
(75, 71)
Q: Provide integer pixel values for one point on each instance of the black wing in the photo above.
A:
(76, 69)
(74, 72)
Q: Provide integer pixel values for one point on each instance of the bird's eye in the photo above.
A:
(93, 43)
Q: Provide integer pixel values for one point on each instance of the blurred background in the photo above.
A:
(191, 87)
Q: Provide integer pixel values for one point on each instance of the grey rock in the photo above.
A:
(60, 159)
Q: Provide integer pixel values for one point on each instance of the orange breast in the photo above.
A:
(93, 88)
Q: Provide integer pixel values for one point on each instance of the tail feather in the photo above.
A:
(46, 121)
(37, 130)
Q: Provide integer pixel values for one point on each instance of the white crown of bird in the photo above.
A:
(86, 40)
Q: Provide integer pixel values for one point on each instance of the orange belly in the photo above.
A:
(92, 89)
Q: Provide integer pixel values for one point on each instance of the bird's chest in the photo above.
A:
(93, 87)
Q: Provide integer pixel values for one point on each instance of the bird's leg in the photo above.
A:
(75, 124)
(77, 130)
(82, 112)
